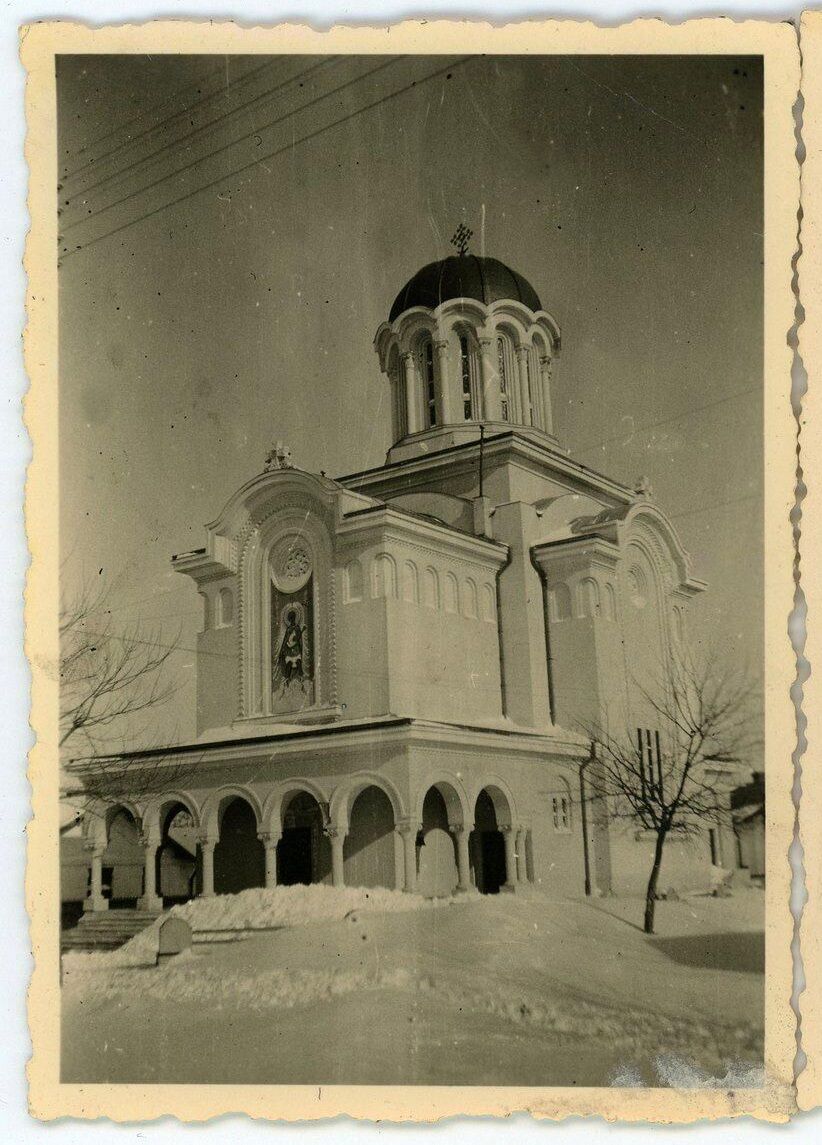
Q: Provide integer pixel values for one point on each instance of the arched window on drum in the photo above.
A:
(505, 373)
(429, 382)
(468, 379)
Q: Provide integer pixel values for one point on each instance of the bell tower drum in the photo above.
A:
(467, 343)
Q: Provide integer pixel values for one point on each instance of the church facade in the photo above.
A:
(396, 668)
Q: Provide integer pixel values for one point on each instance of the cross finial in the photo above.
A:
(461, 238)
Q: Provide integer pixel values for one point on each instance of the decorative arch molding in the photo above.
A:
(431, 588)
(648, 526)
(501, 796)
(347, 791)
(97, 823)
(278, 800)
(469, 597)
(442, 321)
(153, 819)
(559, 601)
(309, 523)
(588, 596)
(210, 822)
(460, 810)
(383, 576)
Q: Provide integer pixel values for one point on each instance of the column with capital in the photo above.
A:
(522, 866)
(546, 370)
(269, 841)
(399, 862)
(408, 831)
(398, 411)
(491, 406)
(526, 403)
(150, 899)
(463, 834)
(207, 858)
(94, 900)
(337, 838)
(510, 841)
(446, 405)
(412, 421)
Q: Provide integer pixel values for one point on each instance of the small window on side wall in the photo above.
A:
(561, 812)
(225, 608)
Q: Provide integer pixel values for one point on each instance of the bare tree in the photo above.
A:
(111, 678)
(668, 780)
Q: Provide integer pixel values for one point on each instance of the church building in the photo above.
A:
(396, 667)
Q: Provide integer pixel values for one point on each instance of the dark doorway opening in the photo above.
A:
(303, 852)
(239, 857)
(493, 862)
(294, 856)
(487, 847)
(369, 845)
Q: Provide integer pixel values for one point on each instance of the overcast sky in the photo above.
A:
(221, 285)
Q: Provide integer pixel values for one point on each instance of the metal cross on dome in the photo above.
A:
(462, 236)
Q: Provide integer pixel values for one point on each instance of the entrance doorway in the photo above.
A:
(176, 861)
(303, 852)
(368, 852)
(487, 847)
(239, 857)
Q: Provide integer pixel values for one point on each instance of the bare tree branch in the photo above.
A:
(672, 786)
(110, 676)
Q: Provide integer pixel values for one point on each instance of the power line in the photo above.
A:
(235, 142)
(271, 155)
(155, 644)
(172, 100)
(668, 421)
(146, 159)
(714, 505)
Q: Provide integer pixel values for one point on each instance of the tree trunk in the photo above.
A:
(650, 894)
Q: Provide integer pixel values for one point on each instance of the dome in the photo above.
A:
(464, 276)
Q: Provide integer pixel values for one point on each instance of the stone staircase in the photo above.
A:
(106, 929)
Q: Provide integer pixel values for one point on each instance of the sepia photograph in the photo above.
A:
(412, 564)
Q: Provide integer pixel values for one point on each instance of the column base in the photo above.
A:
(508, 888)
(94, 903)
(151, 903)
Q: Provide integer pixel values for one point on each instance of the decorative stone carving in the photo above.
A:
(291, 565)
(278, 458)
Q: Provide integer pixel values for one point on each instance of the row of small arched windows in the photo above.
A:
(218, 610)
(590, 601)
(471, 382)
(429, 588)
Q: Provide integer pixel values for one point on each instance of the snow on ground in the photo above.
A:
(514, 990)
(256, 909)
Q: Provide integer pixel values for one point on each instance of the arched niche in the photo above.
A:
(288, 557)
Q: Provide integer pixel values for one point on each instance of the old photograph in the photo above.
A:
(411, 496)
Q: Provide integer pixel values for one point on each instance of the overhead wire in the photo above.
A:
(233, 143)
(174, 143)
(270, 155)
(174, 100)
(670, 420)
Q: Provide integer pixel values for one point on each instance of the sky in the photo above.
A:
(235, 230)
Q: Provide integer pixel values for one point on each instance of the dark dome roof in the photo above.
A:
(464, 276)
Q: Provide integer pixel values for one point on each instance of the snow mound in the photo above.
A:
(256, 909)
(292, 906)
